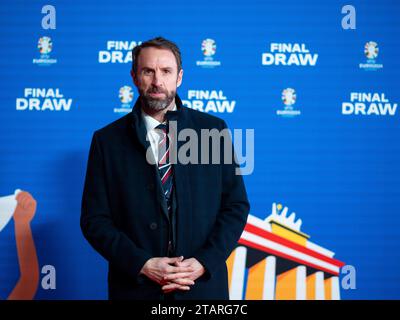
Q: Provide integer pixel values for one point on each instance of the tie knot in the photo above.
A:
(162, 127)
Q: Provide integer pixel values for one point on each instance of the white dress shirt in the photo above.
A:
(153, 135)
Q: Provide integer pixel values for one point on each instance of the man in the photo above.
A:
(165, 228)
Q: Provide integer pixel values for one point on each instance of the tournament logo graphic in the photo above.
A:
(371, 51)
(368, 104)
(275, 260)
(117, 51)
(289, 97)
(126, 98)
(209, 48)
(289, 54)
(43, 99)
(126, 94)
(21, 206)
(45, 46)
(209, 101)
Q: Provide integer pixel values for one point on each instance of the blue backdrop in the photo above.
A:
(338, 169)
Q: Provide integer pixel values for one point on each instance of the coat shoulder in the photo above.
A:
(114, 128)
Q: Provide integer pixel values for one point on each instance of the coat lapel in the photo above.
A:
(181, 175)
(182, 186)
(141, 133)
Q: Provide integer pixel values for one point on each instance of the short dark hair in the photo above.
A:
(160, 43)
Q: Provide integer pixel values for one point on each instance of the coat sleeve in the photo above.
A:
(96, 220)
(230, 222)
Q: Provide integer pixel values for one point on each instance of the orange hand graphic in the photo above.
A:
(27, 284)
(26, 208)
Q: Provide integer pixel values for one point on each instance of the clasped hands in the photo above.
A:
(173, 273)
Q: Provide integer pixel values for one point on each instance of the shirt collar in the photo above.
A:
(150, 122)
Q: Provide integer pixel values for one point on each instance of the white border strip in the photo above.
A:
(288, 251)
(319, 249)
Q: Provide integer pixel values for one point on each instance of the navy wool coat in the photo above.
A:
(124, 215)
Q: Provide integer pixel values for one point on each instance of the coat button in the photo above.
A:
(153, 226)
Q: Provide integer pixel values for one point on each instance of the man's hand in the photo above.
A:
(175, 279)
(157, 269)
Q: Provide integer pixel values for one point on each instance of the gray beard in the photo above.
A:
(158, 104)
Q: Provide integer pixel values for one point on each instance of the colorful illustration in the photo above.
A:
(274, 260)
(22, 207)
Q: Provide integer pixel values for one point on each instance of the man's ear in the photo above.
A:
(134, 78)
(179, 80)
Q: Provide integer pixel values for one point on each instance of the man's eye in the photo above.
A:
(167, 71)
(147, 72)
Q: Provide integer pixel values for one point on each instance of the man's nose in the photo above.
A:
(157, 78)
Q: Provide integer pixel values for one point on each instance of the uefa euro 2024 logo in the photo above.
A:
(126, 94)
(126, 97)
(371, 51)
(45, 46)
(209, 47)
(289, 97)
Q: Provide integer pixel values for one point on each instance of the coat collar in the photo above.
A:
(180, 115)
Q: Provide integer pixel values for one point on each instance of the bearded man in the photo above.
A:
(166, 228)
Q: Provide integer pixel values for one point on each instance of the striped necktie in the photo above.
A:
(164, 166)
